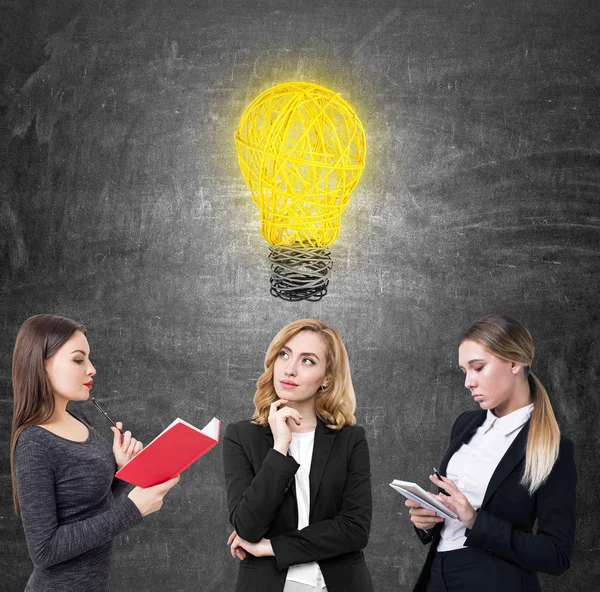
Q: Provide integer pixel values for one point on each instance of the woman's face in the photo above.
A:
(492, 381)
(300, 367)
(70, 370)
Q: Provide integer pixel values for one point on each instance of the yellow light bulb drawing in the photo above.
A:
(301, 149)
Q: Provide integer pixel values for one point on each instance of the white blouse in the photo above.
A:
(472, 466)
(301, 449)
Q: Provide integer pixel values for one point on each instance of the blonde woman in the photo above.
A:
(507, 467)
(298, 474)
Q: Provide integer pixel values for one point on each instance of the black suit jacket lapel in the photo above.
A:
(513, 456)
(324, 438)
(464, 436)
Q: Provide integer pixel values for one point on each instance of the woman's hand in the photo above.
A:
(455, 500)
(278, 418)
(236, 549)
(261, 549)
(422, 517)
(150, 499)
(124, 446)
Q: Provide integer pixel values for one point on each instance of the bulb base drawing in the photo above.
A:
(299, 273)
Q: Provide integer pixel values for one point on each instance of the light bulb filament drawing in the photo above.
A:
(301, 149)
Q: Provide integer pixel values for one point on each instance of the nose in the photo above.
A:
(91, 371)
(470, 381)
(290, 368)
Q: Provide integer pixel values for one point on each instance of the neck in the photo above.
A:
(60, 410)
(521, 397)
(309, 416)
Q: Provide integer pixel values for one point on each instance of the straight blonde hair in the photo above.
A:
(336, 403)
(507, 339)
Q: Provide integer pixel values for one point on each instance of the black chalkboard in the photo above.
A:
(121, 205)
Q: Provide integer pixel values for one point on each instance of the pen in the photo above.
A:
(104, 413)
(436, 473)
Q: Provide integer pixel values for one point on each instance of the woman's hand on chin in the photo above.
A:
(278, 422)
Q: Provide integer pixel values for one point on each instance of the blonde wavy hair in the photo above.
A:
(509, 340)
(335, 404)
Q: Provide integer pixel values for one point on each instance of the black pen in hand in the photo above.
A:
(105, 414)
(436, 473)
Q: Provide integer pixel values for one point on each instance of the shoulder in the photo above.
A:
(244, 430)
(351, 433)
(34, 443)
(566, 442)
(566, 448)
(564, 471)
(33, 436)
(464, 419)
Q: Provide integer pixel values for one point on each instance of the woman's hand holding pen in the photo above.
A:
(455, 500)
(239, 547)
(150, 499)
(124, 446)
(278, 418)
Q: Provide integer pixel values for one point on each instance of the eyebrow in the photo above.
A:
(79, 351)
(303, 353)
(471, 362)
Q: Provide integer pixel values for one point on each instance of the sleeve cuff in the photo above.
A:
(128, 515)
(425, 536)
(119, 487)
(479, 535)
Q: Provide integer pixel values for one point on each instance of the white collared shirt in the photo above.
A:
(472, 466)
(301, 449)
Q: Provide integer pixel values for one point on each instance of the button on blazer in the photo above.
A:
(261, 498)
(505, 521)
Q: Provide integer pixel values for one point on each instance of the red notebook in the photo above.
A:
(170, 453)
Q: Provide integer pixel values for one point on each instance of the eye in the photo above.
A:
(308, 362)
(478, 369)
(79, 361)
(283, 354)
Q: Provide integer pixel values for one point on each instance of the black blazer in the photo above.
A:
(504, 524)
(262, 503)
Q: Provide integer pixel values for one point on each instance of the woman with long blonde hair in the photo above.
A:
(507, 467)
(298, 473)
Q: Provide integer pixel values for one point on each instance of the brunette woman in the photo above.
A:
(507, 467)
(297, 474)
(64, 488)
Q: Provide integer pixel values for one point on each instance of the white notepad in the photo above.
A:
(413, 492)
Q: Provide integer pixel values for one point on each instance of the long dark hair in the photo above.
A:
(509, 340)
(39, 338)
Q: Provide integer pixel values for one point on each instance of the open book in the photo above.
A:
(413, 492)
(170, 453)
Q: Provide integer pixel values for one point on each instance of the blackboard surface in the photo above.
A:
(121, 205)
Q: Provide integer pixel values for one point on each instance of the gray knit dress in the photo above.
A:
(72, 507)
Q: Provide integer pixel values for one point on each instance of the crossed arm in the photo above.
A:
(254, 500)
